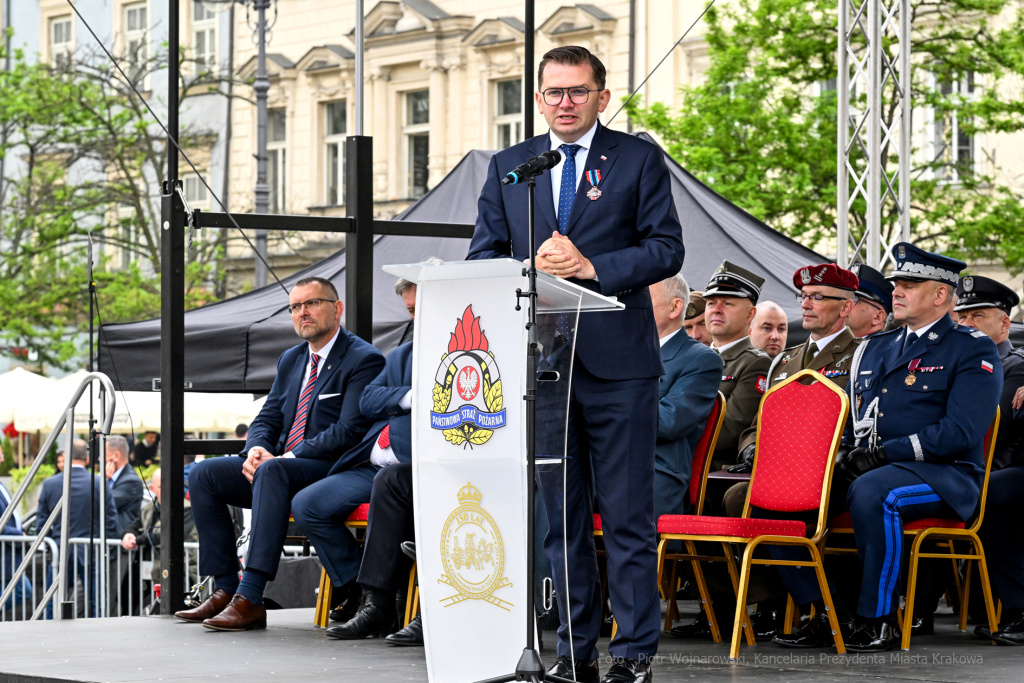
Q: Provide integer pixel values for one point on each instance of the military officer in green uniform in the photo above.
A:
(731, 298)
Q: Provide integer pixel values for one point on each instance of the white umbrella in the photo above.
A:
(19, 386)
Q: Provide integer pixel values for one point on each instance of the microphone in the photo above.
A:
(533, 167)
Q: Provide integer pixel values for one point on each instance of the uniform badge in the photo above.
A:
(691, 310)
(855, 269)
(805, 276)
(902, 251)
(785, 360)
(968, 284)
(782, 376)
(475, 568)
(933, 336)
(721, 269)
(986, 366)
(467, 388)
(762, 383)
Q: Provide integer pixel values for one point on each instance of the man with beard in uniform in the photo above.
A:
(731, 298)
(874, 301)
(827, 299)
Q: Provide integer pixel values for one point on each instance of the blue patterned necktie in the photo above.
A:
(568, 191)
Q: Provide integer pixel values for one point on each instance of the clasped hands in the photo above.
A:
(257, 456)
(558, 256)
(853, 462)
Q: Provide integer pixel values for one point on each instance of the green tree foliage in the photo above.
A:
(83, 157)
(762, 128)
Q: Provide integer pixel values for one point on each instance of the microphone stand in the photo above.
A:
(530, 667)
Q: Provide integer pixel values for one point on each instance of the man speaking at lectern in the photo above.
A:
(605, 218)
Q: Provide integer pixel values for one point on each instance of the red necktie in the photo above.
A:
(298, 431)
(384, 440)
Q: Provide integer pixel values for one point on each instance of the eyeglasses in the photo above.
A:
(817, 298)
(312, 304)
(554, 96)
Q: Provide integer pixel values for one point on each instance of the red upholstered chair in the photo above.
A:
(947, 530)
(698, 482)
(799, 428)
(698, 485)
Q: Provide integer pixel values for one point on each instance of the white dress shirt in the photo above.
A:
(664, 340)
(382, 457)
(825, 341)
(585, 143)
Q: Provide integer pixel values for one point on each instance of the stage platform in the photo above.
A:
(292, 649)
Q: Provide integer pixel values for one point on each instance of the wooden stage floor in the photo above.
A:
(292, 649)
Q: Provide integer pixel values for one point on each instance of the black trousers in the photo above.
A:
(389, 524)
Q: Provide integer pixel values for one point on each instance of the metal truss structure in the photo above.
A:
(874, 128)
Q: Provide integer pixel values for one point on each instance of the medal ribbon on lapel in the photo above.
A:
(912, 367)
(594, 177)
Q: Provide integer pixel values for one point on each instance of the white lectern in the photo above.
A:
(469, 445)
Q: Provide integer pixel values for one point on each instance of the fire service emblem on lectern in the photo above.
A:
(467, 387)
(472, 553)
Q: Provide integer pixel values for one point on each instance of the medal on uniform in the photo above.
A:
(595, 179)
(911, 378)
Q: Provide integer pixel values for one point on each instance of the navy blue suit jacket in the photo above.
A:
(934, 427)
(379, 403)
(127, 493)
(686, 395)
(631, 234)
(53, 489)
(12, 526)
(334, 423)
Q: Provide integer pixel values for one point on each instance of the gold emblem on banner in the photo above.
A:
(472, 553)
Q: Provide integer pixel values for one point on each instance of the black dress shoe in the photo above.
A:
(374, 618)
(922, 626)
(876, 635)
(1011, 633)
(409, 548)
(628, 671)
(410, 636)
(586, 672)
(766, 624)
(981, 631)
(699, 628)
(816, 633)
(347, 598)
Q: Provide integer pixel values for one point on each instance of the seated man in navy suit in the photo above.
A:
(687, 393)
(310, 418)
(613, 228)
(320, 511)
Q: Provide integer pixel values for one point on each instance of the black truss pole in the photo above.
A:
(172, 350)
(359, 244)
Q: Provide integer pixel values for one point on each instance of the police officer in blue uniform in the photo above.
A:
(923, 398)
(874, 301)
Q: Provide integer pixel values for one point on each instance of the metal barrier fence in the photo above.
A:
(130, 589)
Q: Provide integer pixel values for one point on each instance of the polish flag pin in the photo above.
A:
(604, 158)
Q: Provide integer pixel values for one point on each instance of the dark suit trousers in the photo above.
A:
(389, 524)
(1001, 536)
(216, 483)
(321, 511)
(615, 425)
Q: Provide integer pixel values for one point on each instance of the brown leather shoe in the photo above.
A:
(211, 607)
(239, 615)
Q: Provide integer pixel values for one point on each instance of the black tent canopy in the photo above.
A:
(233, 345)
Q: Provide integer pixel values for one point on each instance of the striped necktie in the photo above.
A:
(298, 431)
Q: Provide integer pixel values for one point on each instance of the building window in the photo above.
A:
(136, 40)
(954, 149)
(336, 124)
(204, 37)
(416, 131)
(508, 113)
(61, 46)
(195, 192)
(276, 121)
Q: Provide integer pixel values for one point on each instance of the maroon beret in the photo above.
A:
(827, 274)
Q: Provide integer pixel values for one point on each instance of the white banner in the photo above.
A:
(470, 474)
